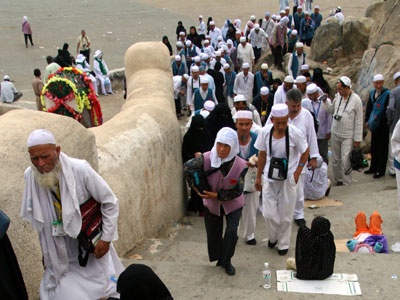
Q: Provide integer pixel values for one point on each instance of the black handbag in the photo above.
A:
(91, 231)
(199, 179)
(278, 166)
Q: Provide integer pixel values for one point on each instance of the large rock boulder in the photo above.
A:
(140, 148)
(327, 38)
(355, 35)
(387, 19)
(384, 60)
(138, 152)
(383, 55)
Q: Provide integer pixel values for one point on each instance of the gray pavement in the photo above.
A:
(181, 260)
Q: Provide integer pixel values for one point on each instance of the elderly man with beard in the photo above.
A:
(247, 151)
(56, 185)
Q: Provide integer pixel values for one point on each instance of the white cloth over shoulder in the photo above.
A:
(63, 276)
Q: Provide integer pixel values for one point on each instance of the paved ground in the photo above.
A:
(182, 263)
(181, 258)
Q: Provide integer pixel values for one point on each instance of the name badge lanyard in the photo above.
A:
(57, 204)
(319, 106)
(340, 102)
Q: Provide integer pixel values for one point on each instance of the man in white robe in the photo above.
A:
(55, 187)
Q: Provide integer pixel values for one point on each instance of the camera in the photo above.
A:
(337, 117)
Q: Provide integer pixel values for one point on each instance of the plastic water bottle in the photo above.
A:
(267, 277)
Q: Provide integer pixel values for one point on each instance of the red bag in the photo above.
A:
(91, 231)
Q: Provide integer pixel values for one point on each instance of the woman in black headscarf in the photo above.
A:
(219, 81)
(195, 142)
(231, 34)
(220, 117)
(139, 282)
(315, 250)
(66, 55)
(166, 42)
(194, 37)
(318, 79)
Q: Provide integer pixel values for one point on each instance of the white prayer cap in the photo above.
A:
(229, 42)
(257, 26)
(97, 53)
(200, 17)
(239, 98)
(206, 42)
(218, 53)
(311, 88)
(204, 56)
(25, 18)
(278, 18)
(345, 81)
(208, 36)
(264, 90)
(316, 7)
(204, 113)
(264, 66)
(203, 79)
(301, 79)
(288, 79)
(378, 77)
(305, 67)
(273, 17)
(182, 33)
(186, 76)
(396, 75)
(224, 48)
(80, 58)
(244, 114)
(287, 8)
(299, 7)
(40, 137)
(242, 39)
(209, 105)
(299, 45)
(252, 17)
(267, 14)
(194, 68)
(306, 12)
(197, 59)
(294, 32)
(220, 38)
(178, 58)
(179, 44)
(238, 31)
(245, 66)
(212, 23)
(6, 77)
(279, 110)
(227, 66)
(188, 43)
(282, 11)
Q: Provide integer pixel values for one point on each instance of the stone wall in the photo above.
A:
(138, 152)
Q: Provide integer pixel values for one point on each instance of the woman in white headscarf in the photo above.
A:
(224, 172)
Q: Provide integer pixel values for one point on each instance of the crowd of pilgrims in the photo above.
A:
(214, 78)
